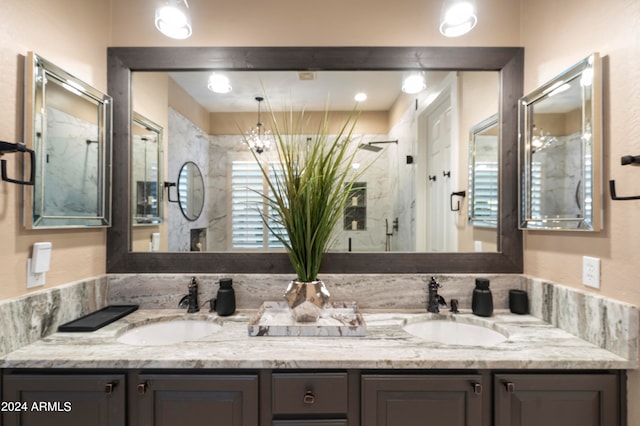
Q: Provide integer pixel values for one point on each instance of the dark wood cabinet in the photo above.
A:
(416, 400)
(192, 399)
(306, 399)
(64, 399)
(557, 400)
(312, 398)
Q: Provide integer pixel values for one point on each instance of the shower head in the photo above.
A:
(371, 146)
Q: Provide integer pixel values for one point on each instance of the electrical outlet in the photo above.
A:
(591, 271)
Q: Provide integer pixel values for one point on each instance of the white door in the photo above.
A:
(440, 220)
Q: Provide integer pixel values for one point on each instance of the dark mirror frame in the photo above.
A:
(122, 61)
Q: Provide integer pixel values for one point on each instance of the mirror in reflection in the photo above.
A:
(400, 208)
(146, 172)
(483, 173)
(561, 151)
(68, 125)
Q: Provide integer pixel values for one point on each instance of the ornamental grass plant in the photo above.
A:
(314, 178)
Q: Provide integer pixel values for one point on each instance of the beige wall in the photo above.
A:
(553, 42)
(66, 33)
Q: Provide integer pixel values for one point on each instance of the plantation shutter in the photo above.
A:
(247, 229)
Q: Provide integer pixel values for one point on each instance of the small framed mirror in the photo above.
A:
(484, 172)
(560, 127)
(68, 125)
(191, 191)
(146, 172)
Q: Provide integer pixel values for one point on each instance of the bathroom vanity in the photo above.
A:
(540, 375)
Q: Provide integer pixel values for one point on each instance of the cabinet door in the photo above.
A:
(179, 400)
(64, 399)
(556, 400)
(417, 400)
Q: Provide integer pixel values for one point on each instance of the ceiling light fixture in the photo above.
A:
(173, 19)
(458, 17)
(219, 83)
(255, 139)
(414, 82)
(360, 97)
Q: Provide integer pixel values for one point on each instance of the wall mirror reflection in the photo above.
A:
(484, 173)
(561, 124)
(191, 191)
(506, 63)
(146, 172)
(406, 211)
(68, 125)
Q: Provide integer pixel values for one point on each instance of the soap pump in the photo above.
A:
(482, 300)
(225, 302)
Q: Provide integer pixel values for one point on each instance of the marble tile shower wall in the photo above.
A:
(187, 142)
(31, 317)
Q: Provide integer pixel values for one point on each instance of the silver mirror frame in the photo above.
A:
(38, 69)
(476, 219)
(590, 205)
(509, 61)
(152, 220)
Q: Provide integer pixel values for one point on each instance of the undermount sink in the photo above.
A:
(169, 332)
(454, 333)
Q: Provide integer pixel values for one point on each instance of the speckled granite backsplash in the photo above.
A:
(370, 291)
(608, 323)
(28, 318)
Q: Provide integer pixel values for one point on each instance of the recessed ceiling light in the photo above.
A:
(458, 17)
(360, 97)
(173, 19)
(219, 83)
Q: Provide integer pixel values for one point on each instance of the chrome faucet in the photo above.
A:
(434, 300)
(190, 301)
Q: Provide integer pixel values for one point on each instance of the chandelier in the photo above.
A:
(257, 139)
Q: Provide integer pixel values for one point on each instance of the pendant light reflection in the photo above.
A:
(414, 82)
(256, 139)
(173, 19)
(458, 17)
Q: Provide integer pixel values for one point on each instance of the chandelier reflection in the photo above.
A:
(258, 139)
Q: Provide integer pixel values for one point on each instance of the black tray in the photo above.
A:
(98, 319)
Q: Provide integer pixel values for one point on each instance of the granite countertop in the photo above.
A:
(531, 344)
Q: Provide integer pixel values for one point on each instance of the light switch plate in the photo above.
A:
(591, 271)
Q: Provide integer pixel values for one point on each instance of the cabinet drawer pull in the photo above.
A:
(309, 398)
(511, 387)
(142, 388)
(108, 388)
(477, 388)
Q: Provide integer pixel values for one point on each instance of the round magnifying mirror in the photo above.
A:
(190, 190)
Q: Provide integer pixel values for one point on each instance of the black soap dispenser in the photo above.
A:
(225, 302)
(482, 300)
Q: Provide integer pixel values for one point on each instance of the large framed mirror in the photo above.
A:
(484, 173)
(507, 62)
(68, 125)
(146, 172)
(560, 150)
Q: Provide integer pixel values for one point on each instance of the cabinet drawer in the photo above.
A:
(309, 423)
(299, 393)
